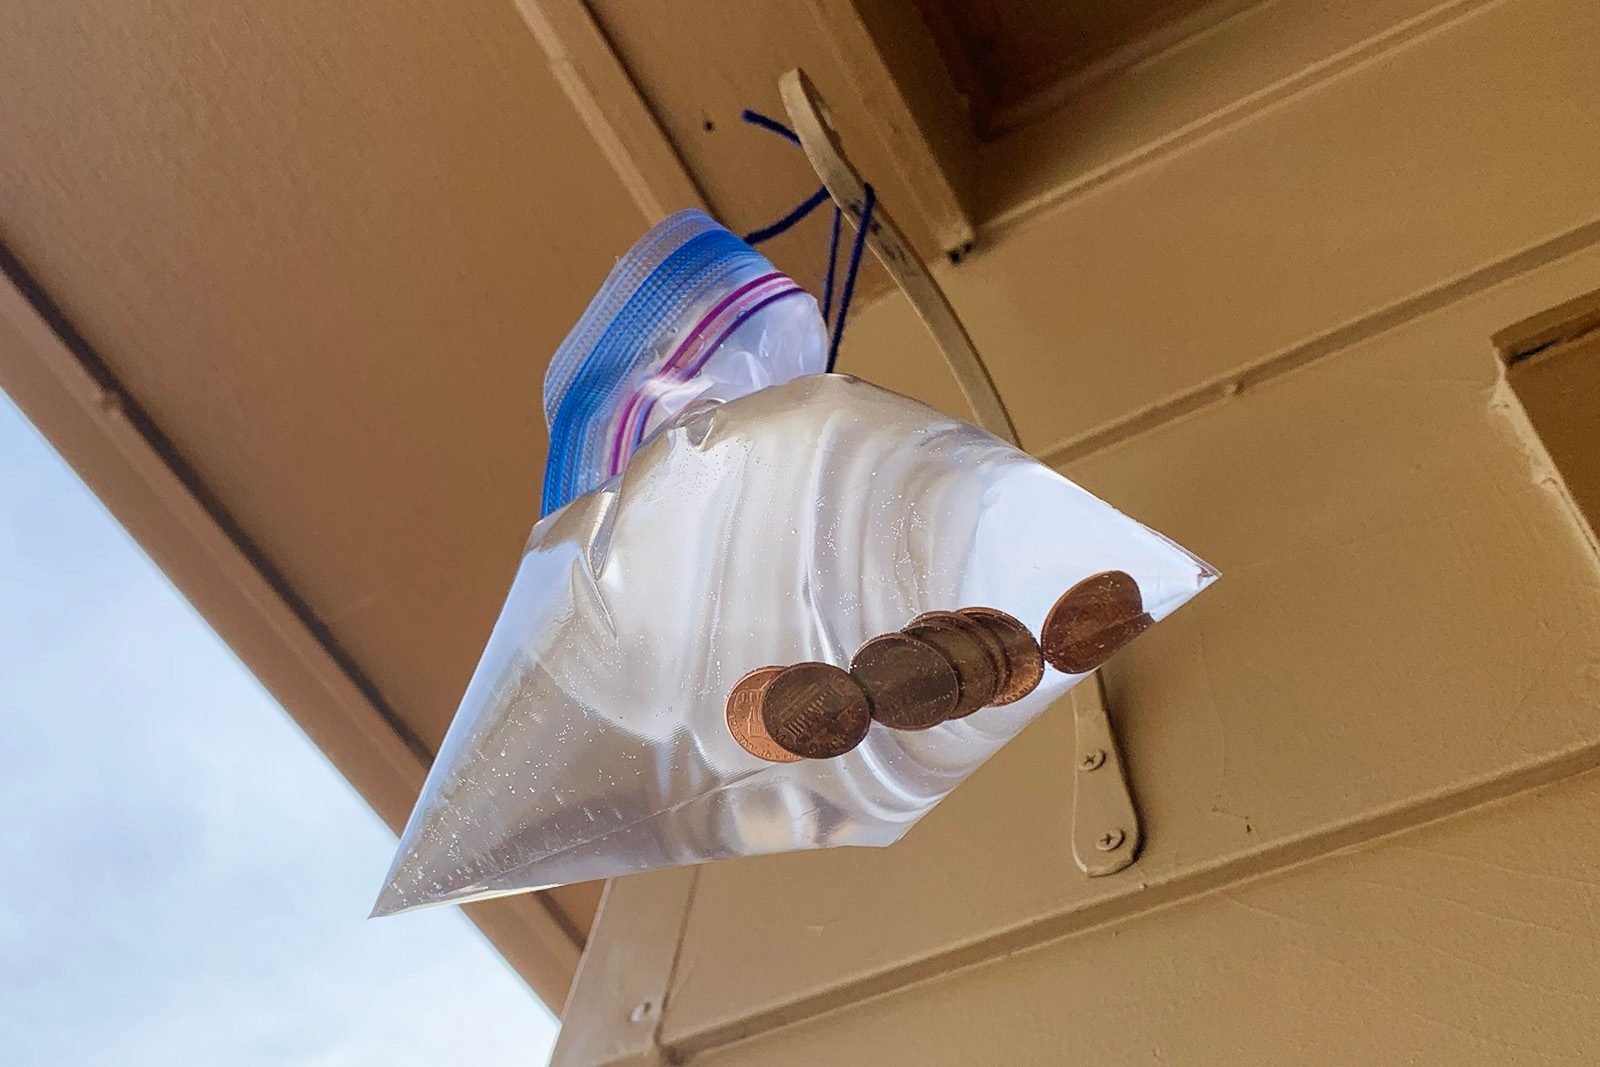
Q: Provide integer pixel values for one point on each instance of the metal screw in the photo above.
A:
(641, 1012)
(1110, 840)
(1092, 760)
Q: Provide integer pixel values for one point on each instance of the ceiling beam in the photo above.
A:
(911, 106)
(612, 108)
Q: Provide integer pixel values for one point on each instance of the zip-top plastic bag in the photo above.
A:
(690, 313)
(793, 523)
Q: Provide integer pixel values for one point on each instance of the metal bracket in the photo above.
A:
(1105, 824)
(808, 115)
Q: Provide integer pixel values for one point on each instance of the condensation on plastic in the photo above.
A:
(792, 524)
(690, 313)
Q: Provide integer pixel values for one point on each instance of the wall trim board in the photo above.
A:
(1224, 388)
(58, 380)
(1535, 336)
(922, 127)
(633, 957)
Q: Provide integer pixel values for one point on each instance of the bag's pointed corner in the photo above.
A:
(389, 902)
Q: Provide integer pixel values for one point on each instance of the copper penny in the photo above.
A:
(744, 717)
(960, 620)
(815, 710)
(991, 644)
(983, 635)
(1024, 659)
(962, 642)
(909, 683)
(1092, 620)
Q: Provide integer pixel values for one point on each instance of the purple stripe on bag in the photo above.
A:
(690, 351)
(705, 320)
(707, 352)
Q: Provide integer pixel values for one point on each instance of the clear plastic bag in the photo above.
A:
(791, 524)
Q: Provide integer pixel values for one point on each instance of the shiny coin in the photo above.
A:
(1092, 620)
(963, 644)
(815, 710)
(991, 643)
(1023, 658)
(980, 633)
(744, 717)
(910, 685)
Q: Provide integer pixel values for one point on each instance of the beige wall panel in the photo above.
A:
(330, 248)
(1471, 942)
(1474, 141)
(1408, 607)
(1189, 89)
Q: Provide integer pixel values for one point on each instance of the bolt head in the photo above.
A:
(1092, 760)
(1110, 841)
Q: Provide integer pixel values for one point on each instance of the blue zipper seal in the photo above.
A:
(653, 308)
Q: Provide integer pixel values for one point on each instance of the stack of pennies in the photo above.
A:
(943, 665)
(946, 665)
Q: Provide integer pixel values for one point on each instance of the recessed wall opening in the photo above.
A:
(1553, 366)
(1015, 60)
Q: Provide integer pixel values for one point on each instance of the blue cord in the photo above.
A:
(862, 226)
(756, 118)
(806, 207)
(833, 263)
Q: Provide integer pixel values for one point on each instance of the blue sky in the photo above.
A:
(184, 879)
